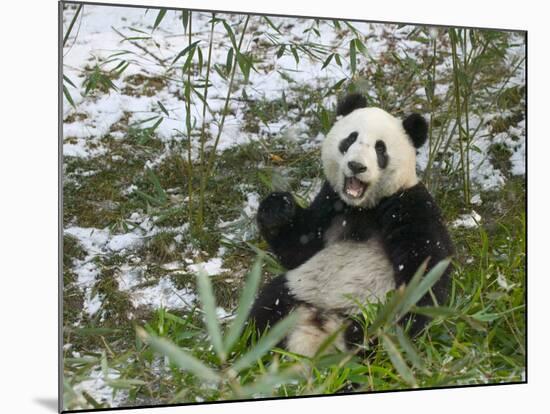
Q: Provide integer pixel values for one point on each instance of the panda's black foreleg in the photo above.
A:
(291, 231)
(294, 233)
(272, 304)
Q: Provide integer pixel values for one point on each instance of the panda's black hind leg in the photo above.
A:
(272, 304)
(354, 336)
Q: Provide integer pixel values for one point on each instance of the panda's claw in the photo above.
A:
(276, 210)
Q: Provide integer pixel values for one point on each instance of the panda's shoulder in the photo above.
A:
(415, 202)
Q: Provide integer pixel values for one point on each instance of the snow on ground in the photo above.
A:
(468, 221)
(211, 267)
(163, 295)
(102, 243)
(97, 385)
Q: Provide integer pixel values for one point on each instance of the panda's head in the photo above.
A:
(369, 154)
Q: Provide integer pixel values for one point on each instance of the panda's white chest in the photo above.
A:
(343, 271)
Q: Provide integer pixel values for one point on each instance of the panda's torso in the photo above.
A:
(352, 267)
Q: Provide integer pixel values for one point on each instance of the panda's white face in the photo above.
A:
(367, 155)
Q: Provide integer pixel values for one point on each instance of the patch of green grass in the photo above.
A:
(75, 117)
(263, 112)
(162, 248)
(502, 124)
(73, 297)
(172, 172)
(115, 302)
(511, 98)
(99, 199)
(98, 81)
(140, 85)
(94, 201)
(500, 158)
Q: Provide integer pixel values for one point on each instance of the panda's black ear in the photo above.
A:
(350, 103)
(417, 128)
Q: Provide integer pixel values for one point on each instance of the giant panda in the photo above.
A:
(366, 233)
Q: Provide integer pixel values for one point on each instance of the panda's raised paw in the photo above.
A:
(275, 211)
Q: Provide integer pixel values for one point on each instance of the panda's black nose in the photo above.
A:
(356, 167)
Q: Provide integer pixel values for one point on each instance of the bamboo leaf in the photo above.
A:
(71, 25)
(143, 121)
(268, 383)
(104, 365)
(386, 314)
(352, 27)
(68, 96)
(245, 303)
(152, 129)
(133, 29)
(189, 48)
(421, 285)
(244, 64)
(268, 341)
(434, 311)
(148, 198)
(362, 48)
(352, 56)
(163, 108)
(229, 61)
(95, 331)
(484, 316)
(121, 67)
(329, 340)
(160, 16)
(161, 195)
(185, 19)
(327, 61)
(187, 65)
(335, 87)
(398, 362)
(281, 51)
(66, 79)
(295, 54)
(209, 309)
(199, 52)
(124, 383)
(410, 350)
(229, 31)
(137, 38)
(178, 356)
(90, 400)
(270, 23)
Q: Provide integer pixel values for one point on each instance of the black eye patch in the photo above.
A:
(381, 154)
(348, 142)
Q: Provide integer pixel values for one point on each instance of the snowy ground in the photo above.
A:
(114, 255)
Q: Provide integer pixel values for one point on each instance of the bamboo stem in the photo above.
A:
(200, 215)
(212, 156)
(431, 143)
(452, 35)
(188, 126)
(467, 120)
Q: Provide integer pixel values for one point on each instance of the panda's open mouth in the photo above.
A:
(354, 187)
